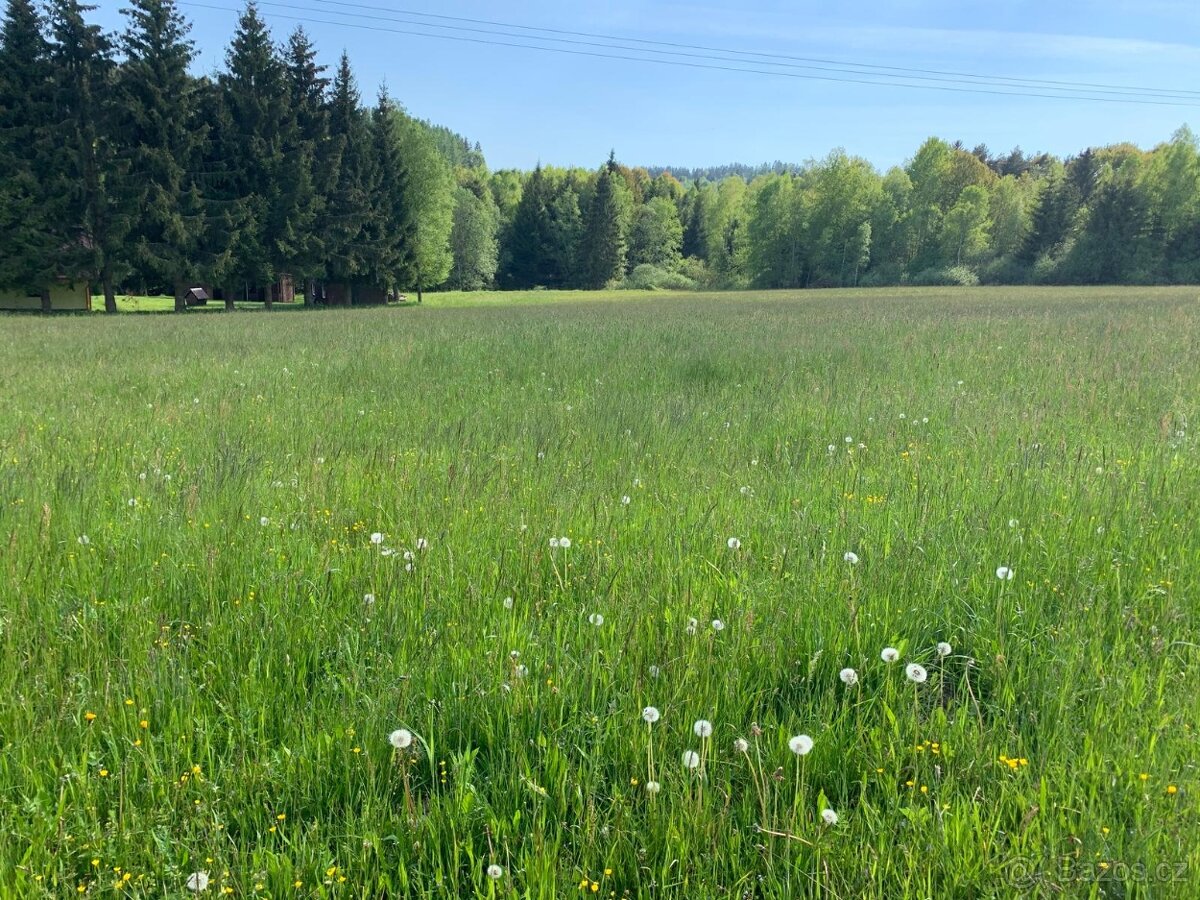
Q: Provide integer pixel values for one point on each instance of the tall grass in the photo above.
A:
(197, 680)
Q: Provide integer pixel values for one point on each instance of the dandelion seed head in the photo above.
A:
(653, 671)
(494, 872)
(1004, 573)
(508, 602)
(703, 728)
(691, 759)
(916, 674)
(368, 599)
(83, 540)
(401, 738)
(626, 500)
(849, 677)
(718, 625)
(944, 649)
(741, 745)
(651, 715)
(422, 544)
(264, 521)
(197, 882)
(829, 817)
(554, 543)
(596, 619)
(376, 537)
(801, 744)
(653, 787)
(889, 654)
(733, 544)
(565, 543)
(851, 557)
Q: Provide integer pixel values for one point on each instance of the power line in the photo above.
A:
(683, 64)
(1065, 85)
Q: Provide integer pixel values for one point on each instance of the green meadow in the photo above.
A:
(286, 608)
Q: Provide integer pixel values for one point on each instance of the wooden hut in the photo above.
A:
(75, 296)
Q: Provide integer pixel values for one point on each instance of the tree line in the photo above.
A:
(119, 165)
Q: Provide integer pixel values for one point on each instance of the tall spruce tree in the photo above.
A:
(157, 105)
(604, 234)
(350, 175)
(255, 94)
(389, 230)
(26, 153)
(88, 206)
(312, 156)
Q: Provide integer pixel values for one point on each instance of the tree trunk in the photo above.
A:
(110, 296)
(228, 299)
(309, 290)
(180, 294)
(46, 305)
(268, 297)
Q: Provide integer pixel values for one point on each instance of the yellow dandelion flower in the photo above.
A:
(89, 717)
(1171, 789)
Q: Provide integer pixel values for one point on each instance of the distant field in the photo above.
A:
(239, 552)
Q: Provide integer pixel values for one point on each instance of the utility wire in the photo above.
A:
(684, 64)
(1034, 82)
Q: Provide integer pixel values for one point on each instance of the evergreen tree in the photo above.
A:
(93, 222)
(27, 260)
(313, 156)
(350, 175)
(156, 115)
(473, 237)
(389, 231)
(255, 94)
(604, 234)
(657, 235)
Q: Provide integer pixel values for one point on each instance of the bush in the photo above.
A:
(648, 277)
(946, 276)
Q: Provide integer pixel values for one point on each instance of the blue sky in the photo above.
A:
(524, 106)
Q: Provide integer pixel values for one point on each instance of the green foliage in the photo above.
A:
(604, 246)
(657, 234)
(473, 238)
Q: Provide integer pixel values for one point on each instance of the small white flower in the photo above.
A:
(132, 502)
(408, 567)
(514, 654)
(849, 440)
(637, 482)
(264, 521)
(384, 552)
(142, 476)
(744, 490)
(376, 537)
(651, 715)
(422, 544)
(401, 738)
(1004, 573)
(924, 420)
(522, 670)
(703, 728)
(741, 745)
(889, 654)
(408, 555)
(554, 543)
(596, 619)
(84, 540)
(494, 872)
(653, 787)
(541, 454)
(829, 817)
(944, 649)
(508, 602)
(849, 677)
(197, 882)
(850, 557)
(733, 544)
(320, 460)
(916, 674)
(691, 626)
(833, 448)
(368, 599)
(801, 744)
(1013, 523)
(565, 543)
(653, 671)
(718, 625)
(691, 759)
(626, 500)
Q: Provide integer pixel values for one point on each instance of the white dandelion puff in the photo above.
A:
(653, 671)
(508, 602)
(377, 537)
(849, 677)
(264, 521)
(889, 654)
(554, 543)
(83, 540)
(691, 626)
(626, 500)
(565, 543)
(718, 625)
(916, 674)
(522, 670)
(495, 872)
(944, 649)
(197, 882)
(368, 599)
(801, 744)
(596, 619)
(1004, 573)
(650, 715)
(741, 745)
(132, 502)
(851, 557)
(733, 544)
(691, 759)
(422, 544)
(703, 728)
(401, 738)
(653, 787)
(829, 817)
